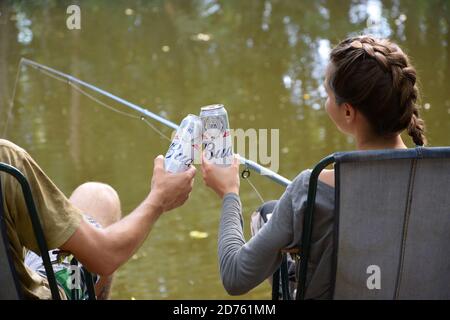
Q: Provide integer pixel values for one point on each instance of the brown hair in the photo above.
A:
(376, 77)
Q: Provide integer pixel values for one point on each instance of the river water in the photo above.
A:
(264, 60)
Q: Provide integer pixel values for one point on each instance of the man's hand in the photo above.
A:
(222, 180)
(170, 190)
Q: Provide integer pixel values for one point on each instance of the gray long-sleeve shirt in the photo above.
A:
(243, 265)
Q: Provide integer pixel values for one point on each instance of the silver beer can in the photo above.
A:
(217, 140)
(186, 145)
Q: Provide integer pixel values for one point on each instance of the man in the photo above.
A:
(72, 225)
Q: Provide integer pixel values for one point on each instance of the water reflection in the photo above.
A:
(371, 13)
(265, 60)
(266, 16)
(208, 7)
(23, 24)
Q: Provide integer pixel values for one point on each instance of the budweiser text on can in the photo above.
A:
(186, 145)
(217, 141)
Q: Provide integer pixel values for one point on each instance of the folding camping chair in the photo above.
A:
(11, 288)
(392, 217)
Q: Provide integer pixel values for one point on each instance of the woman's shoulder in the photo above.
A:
(298, 189)
(327, 177)
(302, 179)
(300, 185)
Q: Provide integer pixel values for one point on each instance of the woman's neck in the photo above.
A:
(380, 143)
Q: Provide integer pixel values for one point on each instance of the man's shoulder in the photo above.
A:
(6, 144)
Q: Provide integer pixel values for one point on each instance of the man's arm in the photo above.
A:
(102, 251)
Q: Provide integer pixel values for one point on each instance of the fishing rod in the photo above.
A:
(71, 79)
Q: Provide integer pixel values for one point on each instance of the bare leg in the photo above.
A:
(101, 202)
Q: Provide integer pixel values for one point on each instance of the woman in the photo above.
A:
(372, 96)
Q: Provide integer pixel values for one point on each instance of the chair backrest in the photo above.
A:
(10, 288)
(392, 224)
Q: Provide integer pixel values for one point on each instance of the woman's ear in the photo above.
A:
(349, 113)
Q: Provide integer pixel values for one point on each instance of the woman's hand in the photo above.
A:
(222, 180)
(170, 190)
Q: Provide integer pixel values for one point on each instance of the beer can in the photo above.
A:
(186, 145)
(217, 141)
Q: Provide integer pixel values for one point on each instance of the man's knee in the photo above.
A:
(98, 200)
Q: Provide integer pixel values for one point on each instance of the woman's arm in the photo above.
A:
(245, 265)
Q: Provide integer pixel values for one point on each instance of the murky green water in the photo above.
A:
(263, 59)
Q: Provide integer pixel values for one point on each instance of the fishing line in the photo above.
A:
(133, 116)
(102, 103)
(245, 173)
(156, 129)
(254, 189)
(11, 102)
(83, 92)
(76, 84)
(77, 88)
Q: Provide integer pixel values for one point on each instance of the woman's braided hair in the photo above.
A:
(376, 77)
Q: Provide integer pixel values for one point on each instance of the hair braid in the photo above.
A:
(375, 76)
